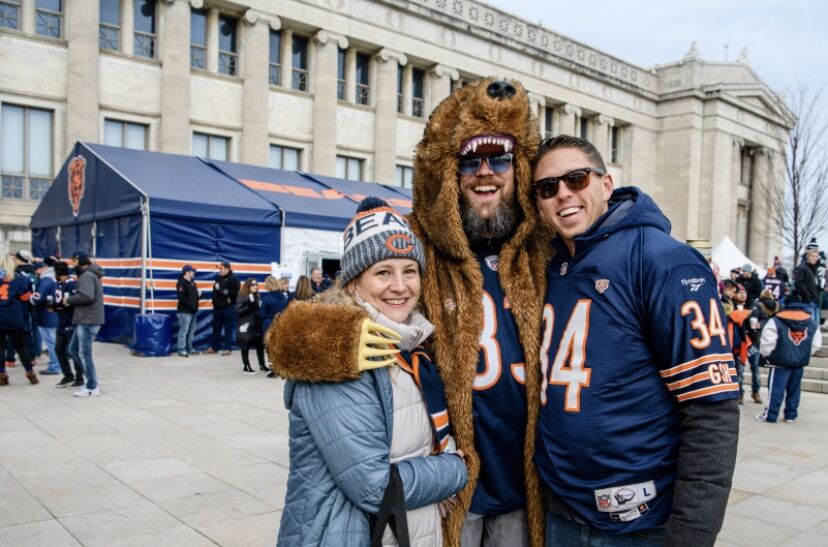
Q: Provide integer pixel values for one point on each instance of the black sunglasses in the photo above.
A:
(575, 180)
(469, 165)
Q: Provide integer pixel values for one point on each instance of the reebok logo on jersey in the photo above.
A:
(624, 498)
(694, 283)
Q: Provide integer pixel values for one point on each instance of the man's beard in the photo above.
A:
(498, 227)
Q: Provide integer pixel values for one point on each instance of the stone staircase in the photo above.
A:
(815, 378)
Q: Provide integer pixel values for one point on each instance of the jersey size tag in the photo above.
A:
(632, 514)
(619, 499)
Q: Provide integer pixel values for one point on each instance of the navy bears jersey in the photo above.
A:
(499, 401)
(632, 327)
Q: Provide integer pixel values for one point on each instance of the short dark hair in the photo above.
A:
(549, 144)
(730, 284)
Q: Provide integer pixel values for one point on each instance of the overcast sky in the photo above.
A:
(786, 40)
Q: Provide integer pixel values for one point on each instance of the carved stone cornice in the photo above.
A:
(479, 18)
(605, 120)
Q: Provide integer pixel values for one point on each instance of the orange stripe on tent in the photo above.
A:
(134, 282)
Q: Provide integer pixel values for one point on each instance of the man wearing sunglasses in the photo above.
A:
(637, 435)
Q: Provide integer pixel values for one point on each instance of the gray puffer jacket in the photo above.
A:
(88, 302)
(340, 436)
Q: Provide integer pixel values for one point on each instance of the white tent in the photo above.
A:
(728, 256)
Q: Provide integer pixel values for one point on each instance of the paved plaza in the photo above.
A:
(191, 452)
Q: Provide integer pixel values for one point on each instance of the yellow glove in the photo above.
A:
(376, 341)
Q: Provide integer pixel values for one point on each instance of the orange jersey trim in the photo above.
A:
(678, 369)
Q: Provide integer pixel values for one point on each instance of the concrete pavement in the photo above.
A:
(191, 452)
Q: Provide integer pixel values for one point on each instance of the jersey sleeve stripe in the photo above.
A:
(707, 391)
(713, 358)
(700, 377)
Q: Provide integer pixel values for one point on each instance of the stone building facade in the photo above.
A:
(344, 87)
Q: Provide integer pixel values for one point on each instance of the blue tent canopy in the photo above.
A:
(312, 201)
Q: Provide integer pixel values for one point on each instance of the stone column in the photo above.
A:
(350, 75)
(212, 40)
(568, 118)
(440, 78)
(407, 91)
(127, 27)
(27, 16)
(385, 121)
(601, 138)
(733, 186)
(324, 102)
(759, 222)
(535, 103)
(287, 59)
(82, 95)
(254, 145)
(175, 76)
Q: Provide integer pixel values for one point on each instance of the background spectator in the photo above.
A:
(187, 310)
(66, 287)
(318, 280)
(303, 291)
(249, 335)
(225, 292)
(14, 297)
(87, 316)
(44, 317)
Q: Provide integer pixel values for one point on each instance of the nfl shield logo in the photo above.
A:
(601, 285)
(564, 268)
(491, 262)
(603, 501)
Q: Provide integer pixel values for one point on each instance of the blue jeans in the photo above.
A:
(80, 348)
(186, 330)
(783, 383)
(223, 318)
(562, 532)
(48, 334)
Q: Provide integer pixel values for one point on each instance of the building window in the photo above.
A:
(10, 13)
(109, 31)
(125, 134)
(49, 18)
(349, 168)
(275, 75)
(25, 152)
(418, 93)
(584, 128)
(614, 145)
(228, 54)
(363, 82)
(404, 176)
(549, 114)
(341, 61)
(299, 76)
(144, 38)
(285, 157)
(400, 80)
(213, 147)
(198, 39)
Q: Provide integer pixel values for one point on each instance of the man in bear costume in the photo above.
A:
(483, 289)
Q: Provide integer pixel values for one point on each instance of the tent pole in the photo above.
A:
(144, 243)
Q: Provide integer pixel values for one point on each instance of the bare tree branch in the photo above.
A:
(796, 208)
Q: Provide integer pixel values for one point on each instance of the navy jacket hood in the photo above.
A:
(629, 207)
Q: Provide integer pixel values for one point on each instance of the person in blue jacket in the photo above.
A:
(788, 340)
(45, 319)
(638, 427)
(347, 437)
(274, 302)
(15, 292)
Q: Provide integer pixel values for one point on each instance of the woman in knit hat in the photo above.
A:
(355, 444)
